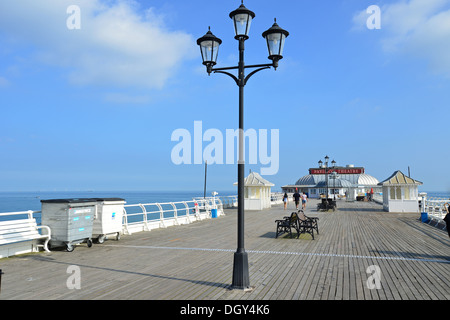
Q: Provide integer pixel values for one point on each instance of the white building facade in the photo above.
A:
(256, 192)
(348, 181)
(400, 193)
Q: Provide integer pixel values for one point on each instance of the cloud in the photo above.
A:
(3, 82)
(416, 28)
(118, 43)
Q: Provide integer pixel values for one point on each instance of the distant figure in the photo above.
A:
(285, 200)
(296, 197)
(304, 199)
(447, 218)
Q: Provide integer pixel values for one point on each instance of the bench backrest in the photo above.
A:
(18, 230)
(301, 216)
(293, 218)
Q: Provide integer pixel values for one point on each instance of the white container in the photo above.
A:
(108, 218)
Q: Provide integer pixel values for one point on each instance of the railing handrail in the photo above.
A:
(435, 206)
(189, 209)
(30, 213)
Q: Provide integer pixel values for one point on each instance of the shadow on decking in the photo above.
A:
(206, 283)
(412, 255)
(269, 234)
(302, 236)
(359, 209)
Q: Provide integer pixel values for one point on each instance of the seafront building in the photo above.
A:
(348, 181)
(400, 193)
(257, 191)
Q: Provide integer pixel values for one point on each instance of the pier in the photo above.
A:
(194, 261)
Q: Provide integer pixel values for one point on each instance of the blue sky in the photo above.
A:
(94, 108)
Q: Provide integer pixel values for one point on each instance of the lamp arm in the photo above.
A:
(260, 66)
(253, 72)
(228, 74)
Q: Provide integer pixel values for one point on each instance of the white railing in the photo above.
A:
(28, 213)
(222, 201)
(435, 207)
(148, 216)
(276, 197)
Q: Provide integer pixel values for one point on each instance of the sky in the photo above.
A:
(91, 97)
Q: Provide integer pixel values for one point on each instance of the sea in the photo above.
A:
(31, 200)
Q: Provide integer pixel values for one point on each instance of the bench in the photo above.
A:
(326, 204)
(14, 231)
(286, 224)
(307, 224)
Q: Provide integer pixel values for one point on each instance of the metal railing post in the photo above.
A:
(161, 215)
(144, 217)
(175, 213)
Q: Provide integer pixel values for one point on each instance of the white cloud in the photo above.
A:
(3, 82)
(116, 45)
(417, 28)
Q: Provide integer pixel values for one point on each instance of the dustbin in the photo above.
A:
(424, 217)
(70, 221)
(108, 218)
(213, 213)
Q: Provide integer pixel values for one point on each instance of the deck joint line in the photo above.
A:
(335, 255)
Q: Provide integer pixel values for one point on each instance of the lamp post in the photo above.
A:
(326, 173)
(209, 48)
(334, 173)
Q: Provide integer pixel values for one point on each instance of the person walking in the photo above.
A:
(296, 197)
(285, 200)
(304, 200)
(447, 218)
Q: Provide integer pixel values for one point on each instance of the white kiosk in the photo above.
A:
(256, 192)
(400, 193)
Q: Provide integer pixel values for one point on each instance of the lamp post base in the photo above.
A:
(241, 279)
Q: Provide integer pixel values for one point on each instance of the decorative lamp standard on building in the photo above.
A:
(209, 47)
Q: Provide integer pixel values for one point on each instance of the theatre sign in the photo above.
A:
(347, 170)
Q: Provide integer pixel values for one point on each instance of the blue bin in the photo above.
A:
(214, 213)
(424, 217)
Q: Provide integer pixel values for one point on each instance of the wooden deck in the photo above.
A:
(194, 262)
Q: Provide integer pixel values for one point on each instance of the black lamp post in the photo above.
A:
(326, 172)
(209, 46)
(334, 173)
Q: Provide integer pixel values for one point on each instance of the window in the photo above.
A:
(392, 192)
(395, 193)
(407, 194)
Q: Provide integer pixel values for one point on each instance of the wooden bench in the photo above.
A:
(14, 231)
(307, 224)
(286, 224)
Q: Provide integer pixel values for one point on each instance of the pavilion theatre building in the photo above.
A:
(348, 181)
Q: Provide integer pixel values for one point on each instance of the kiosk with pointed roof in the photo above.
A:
(400, 193)
(256, 192)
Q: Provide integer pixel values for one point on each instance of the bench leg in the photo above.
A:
(48, 235)
(46, 245)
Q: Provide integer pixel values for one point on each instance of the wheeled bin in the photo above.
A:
(70, 220)
(108, 218)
